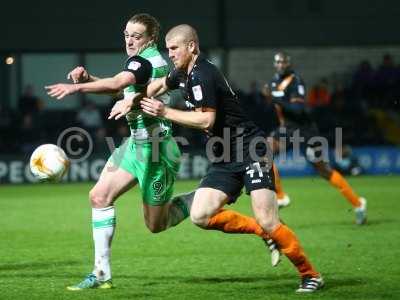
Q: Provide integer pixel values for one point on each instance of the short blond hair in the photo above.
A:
(184, 31)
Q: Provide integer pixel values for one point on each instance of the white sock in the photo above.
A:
(103, 222)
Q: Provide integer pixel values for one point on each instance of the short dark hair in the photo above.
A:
(151, 24)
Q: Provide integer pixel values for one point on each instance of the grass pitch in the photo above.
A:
(46, 244)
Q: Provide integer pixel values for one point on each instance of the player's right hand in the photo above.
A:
(60, 90)
(78, 75)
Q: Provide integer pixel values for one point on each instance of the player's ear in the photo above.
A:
(192, 46)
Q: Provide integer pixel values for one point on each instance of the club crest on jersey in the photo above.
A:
(134, 65)
(197, 92)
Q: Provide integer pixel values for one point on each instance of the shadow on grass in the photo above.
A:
(370, 222)
(374, 222)
(33, 265)
(270, 281)
(214, 280)
(334, 283)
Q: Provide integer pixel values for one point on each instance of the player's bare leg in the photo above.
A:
(112, 183)
(160, 218)
(265, 210)
(338, 181)
(282, 198)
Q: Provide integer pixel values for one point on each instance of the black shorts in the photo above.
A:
(309, 146)
(254, 176)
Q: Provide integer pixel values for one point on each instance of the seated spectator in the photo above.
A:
(89, 117)
(386, 79)
(29, 103)
(122, 133)
(319, 95)
(29, 134)
(363, 83)
(101, 145)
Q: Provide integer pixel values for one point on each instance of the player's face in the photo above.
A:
(281, 64)
(179, 52)
(135, 38)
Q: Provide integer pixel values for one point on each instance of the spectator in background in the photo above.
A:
(386, 79)
(89, 117)
(29, 103)
(363, 84)
(319, 95)
(5, 118)
(101, 146)
(29, 134)
(122, 133)
(6, 135)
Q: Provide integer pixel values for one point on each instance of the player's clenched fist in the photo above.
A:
(78, 75)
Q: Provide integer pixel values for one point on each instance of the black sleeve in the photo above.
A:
(296, 110)
(204, 90)
(173, 79)
(139, 67)
(298, 89)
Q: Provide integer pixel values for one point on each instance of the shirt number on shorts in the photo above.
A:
(255, 167)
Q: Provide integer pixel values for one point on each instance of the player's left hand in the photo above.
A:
(121, 108)
(60, 90)
(153, 107)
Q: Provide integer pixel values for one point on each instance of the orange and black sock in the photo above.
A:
(230, 221)
(290, 246)
(338, 181)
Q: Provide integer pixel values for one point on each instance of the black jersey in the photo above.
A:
(283, 89)
(206, 88)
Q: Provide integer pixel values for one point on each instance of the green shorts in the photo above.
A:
(156, 173)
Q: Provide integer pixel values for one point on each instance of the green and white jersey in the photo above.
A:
(141, 125)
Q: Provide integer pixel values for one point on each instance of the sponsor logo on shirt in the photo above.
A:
(197, 92)
(134, 65)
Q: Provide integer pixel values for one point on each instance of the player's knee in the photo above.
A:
(268, 224)
(155, 227)
(323, 170)
(199, 219)
(98, 200)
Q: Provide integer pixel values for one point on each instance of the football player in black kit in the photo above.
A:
(287, 92)
(244, 162)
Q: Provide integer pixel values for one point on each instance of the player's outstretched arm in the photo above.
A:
(81, 75)
(106, 85)
(122, 107)
(201, 118)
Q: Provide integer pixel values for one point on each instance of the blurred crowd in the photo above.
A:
(366, 106)
(364, 103)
